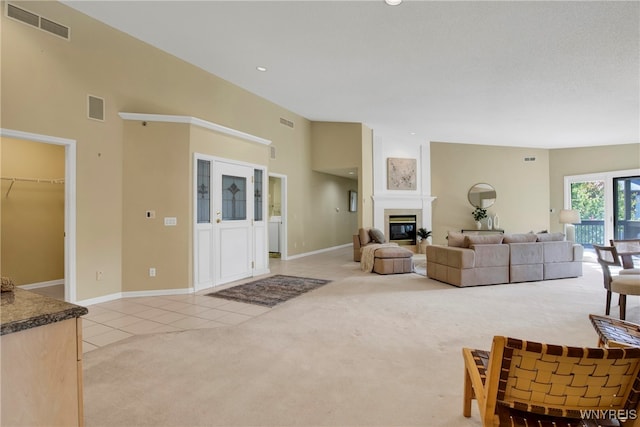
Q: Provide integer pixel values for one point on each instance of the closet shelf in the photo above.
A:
(37, 180)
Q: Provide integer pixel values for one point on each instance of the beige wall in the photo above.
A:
(336, 146)
(156, 178)
(32, 213)
(45, 83)
(522, 188)
(587, 160)
(526, 191)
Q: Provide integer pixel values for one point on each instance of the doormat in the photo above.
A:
(270, 291)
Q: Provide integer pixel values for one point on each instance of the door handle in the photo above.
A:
(218, 220)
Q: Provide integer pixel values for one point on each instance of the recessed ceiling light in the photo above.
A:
(393, 2)
(262, 69)
(413, 133)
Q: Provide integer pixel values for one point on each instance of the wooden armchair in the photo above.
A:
(523, 383)
(623, 284)
(627, 249)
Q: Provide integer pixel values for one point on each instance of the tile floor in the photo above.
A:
(116, 320)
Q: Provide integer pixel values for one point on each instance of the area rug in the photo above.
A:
(270, 291)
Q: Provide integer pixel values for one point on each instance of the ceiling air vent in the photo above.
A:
(95, 108)
(286, 122)
(529, 159)
(38, 21)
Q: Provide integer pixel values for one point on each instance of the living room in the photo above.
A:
(123, 72)
(363, 350)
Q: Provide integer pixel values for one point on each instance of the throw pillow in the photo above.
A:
(520, 238)
(550, 237)
(490, 239)
(456, 239)
(377, 235)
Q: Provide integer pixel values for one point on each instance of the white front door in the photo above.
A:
(233, 199)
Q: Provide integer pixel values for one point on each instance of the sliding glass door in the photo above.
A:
(609, 205)
(588, 198)
(626, 208)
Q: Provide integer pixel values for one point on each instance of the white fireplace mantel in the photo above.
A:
(399, 202)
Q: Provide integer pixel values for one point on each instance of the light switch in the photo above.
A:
(170, 221)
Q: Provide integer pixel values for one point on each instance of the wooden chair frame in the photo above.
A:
(608, 257)
(559, 381)
(627, 260)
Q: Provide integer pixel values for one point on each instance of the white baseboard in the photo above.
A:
(333, 248)
(134, 294)
(42, 284)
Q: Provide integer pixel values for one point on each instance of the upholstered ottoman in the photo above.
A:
(393, 260)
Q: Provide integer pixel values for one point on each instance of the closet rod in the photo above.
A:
(38, 180)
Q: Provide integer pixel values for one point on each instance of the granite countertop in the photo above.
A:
(22, 309)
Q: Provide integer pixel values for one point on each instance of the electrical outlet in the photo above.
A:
(98, 275)
(150, 214)
(152, 272)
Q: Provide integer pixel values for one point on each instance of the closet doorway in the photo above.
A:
(38, 212)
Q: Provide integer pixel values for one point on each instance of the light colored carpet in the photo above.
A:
(364, 350)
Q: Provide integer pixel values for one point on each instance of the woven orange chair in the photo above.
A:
(524, 383)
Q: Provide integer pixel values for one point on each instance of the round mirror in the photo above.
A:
(482, 195)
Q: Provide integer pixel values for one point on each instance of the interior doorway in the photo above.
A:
(69, 180)
(230, 234)
(277, 216)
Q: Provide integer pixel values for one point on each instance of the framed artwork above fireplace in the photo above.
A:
(401, 174)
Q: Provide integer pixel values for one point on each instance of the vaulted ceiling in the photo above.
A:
(542, 74)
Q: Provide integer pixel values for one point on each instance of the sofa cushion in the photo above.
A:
(550, 237)
(489, 239)
(558, 251)
(526, 253)
(377, 235)
(393, 252)
(365, 238)
(520, 238)
(456, 239)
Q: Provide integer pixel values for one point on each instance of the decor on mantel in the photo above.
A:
(401, 174)
(478, 215)
(496, 222)
(489, 223)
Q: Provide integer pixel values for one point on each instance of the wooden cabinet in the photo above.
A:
(40, 361)
(42, 375)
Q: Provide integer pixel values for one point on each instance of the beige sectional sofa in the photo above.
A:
(473, 260)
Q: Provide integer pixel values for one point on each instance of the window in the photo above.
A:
(234, 198)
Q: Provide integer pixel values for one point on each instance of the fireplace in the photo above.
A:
(402, 229)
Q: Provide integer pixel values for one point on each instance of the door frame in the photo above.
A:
(283, 213)
(609, 195)
(194, 217)
(70, 288)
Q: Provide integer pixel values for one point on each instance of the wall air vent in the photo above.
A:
(286, 122)
(30, 18)
(273, 153)
(529, 159)
(95, 108)
(54, 28)
(23, 15)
